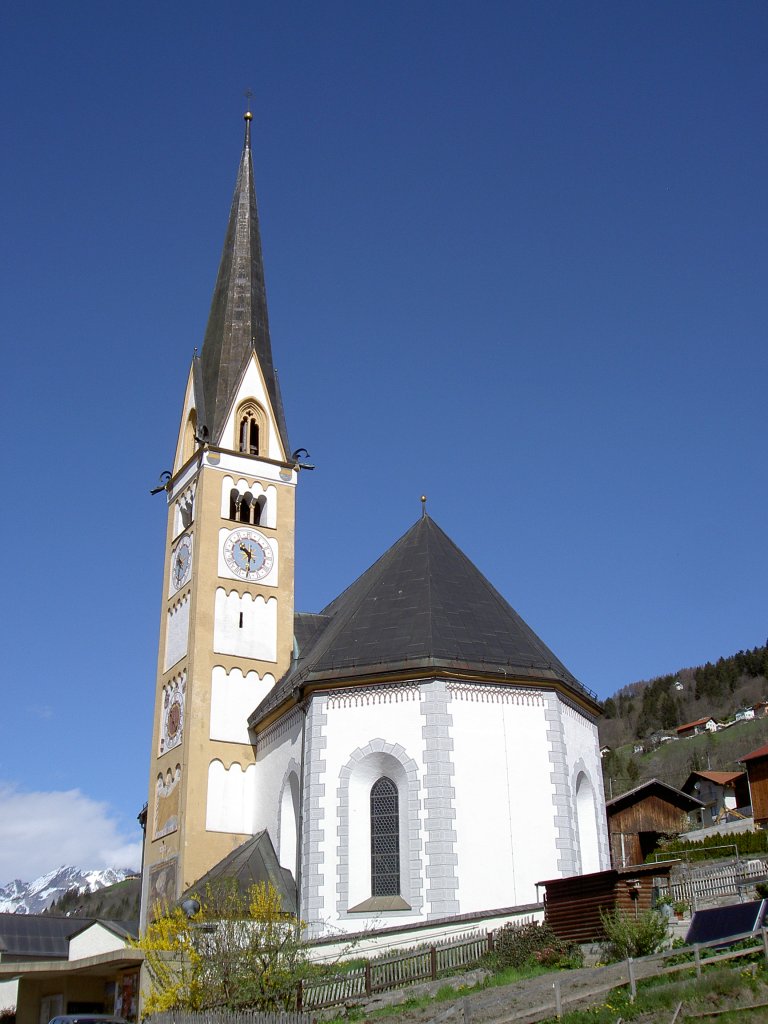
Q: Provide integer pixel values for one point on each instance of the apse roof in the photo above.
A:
(423, 604)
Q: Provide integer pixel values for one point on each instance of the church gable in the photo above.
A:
(251, 425)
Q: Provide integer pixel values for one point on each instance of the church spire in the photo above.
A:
(238, 323)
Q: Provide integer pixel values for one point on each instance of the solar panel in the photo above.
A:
(722, 922)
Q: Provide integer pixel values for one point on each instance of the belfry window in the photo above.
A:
(245, 508)
(385, 838)
(249, 434)
(251, 429)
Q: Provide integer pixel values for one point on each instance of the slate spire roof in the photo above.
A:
(237, 323)
(422, 606)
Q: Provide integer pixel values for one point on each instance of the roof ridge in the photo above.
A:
(545, 653)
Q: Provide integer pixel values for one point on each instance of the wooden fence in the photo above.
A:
(688, 958)
(533, 1002)
(697, 885)
(222, 1016)
(390, 972)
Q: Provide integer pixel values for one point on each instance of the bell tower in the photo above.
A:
(226, 623)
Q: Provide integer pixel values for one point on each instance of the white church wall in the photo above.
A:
(233, 698)
(504, 811)
(231, 804)
(278, 759)
(177, 631)
(245, 626)
(587, 796)
(357, 736)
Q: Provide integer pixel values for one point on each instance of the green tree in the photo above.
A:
(240, 950)
(629, 935)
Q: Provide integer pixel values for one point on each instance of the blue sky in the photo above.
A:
(516, 260)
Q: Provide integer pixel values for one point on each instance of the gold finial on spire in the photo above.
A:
(423, 506)
(248, 116)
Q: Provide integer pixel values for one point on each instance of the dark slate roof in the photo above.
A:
(252, 862)
(307, 626)
(423, 605)
(38, 935)
(123, 929)
(238, 323)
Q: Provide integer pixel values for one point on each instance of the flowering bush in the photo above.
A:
(520, 945)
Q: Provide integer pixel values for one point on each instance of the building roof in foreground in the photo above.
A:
(46, 936)
(654, 787)
(718, 778)
(423, 606)
(252, 862)
(755, 754)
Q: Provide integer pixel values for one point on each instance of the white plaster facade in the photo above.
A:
(499, 787)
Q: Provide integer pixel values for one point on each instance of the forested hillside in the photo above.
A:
(639, 709)
(114, 903)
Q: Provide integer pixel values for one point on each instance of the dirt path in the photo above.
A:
(522, 1002)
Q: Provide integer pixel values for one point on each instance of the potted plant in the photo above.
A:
(680, 908)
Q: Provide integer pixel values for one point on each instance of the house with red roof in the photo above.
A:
(722, 793)
(694, 728)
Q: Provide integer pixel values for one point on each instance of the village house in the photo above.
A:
(52, 965)
(696, 728)
(722, 793)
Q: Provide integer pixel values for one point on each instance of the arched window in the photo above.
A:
(244, 507)
(188, 445)
(251, 430)
(587, 823)
(385, 838)
(258, 510)
(234, 504)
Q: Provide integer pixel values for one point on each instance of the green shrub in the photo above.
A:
(629, 935)
(705, 849)
(521, 945)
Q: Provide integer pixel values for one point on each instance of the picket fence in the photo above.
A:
(698, 885)
(390, 972)
(222, 1016)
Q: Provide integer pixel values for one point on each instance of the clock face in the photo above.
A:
(173, 720)
(248, 554)
(182, 562)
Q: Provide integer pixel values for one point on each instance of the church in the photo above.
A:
(413, 751)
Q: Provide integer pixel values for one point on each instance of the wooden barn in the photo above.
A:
(757, 772)
(572, 905)
(638, 818)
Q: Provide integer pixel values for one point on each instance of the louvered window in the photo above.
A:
(385, 839)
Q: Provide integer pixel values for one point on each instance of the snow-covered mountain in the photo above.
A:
(19, 897)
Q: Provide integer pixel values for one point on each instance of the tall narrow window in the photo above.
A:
(251, 429)
(234, 504)
(385, 839)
